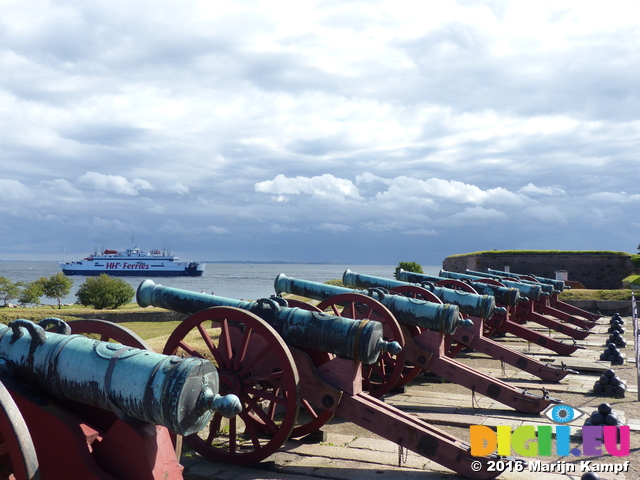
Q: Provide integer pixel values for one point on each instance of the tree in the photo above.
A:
(104, 291)
(56, 286)
(31, 293)
(409, 267)
(8, 289)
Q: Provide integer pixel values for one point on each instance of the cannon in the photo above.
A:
(424, 348)
(364, 341)
(498, 323)
(542, 305)
(557, 285)
(471, 336)
(532, 292)
(503, 295)
(526, 311)
(289, 391)
(483, 306)
(553, 301)
(109, 407)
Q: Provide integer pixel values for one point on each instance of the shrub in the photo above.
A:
(409, 267)
(104, 292)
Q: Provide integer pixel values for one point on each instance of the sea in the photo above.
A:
(241, 281)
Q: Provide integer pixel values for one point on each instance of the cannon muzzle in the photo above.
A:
(503, 295)
(356, 339)
(557, 286)
(533, 292)
(483, 306)
(178, 393)
(432, 316)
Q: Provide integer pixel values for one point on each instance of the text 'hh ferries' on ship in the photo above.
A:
(132, 262)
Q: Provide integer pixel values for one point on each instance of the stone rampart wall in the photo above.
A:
(594, 271)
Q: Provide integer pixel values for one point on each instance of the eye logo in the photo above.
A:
(563, 413)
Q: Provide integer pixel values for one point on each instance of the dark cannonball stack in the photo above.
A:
(610, 384)
(612, 354)
(616, 331)
(604, 415)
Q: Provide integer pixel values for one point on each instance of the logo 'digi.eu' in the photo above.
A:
(532, 441)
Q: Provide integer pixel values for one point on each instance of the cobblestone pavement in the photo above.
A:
(345, 451)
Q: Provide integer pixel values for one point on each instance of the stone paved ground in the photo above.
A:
(351, 453)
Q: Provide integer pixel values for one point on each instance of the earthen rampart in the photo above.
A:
(594, 271)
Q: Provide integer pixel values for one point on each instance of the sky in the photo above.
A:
(363, 132)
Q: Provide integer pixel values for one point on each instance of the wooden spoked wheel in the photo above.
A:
(254, 364)
(18, 459)
(108, 331)
(383, 375)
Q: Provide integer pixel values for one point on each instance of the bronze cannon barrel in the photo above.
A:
(534, 292)
(356, 339)
(483, 306)
(545, 288)
(503, 295)
(558, 285)
(432, 316)
(178, 393)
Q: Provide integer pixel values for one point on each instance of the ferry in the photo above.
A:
(133, 262)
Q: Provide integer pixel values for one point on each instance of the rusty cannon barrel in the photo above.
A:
(533, 292)
(432, 316)
(546, 288)
(178, 393)
(355, 339)
(503, 295)
(483, 306)
(558, 285)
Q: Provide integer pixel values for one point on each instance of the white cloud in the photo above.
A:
(531, 189)
(60, 186)
(113, 183)
(320, 117)
(610, 197)
(217, 230)
(178, 188)
(334, 227)
(13, 190)
(437, 190)
(474, 216)
(322, 186)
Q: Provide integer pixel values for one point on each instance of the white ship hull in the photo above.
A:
(133, 262)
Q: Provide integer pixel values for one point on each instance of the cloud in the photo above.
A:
(321, 186)
(253, 122)
(217, 230)
(472, 217)
(178, 188)
(334, 227)
(113, 183)
(550, 214)
(610, 197)
(533, 190)
(435, 190)
(13, 190)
